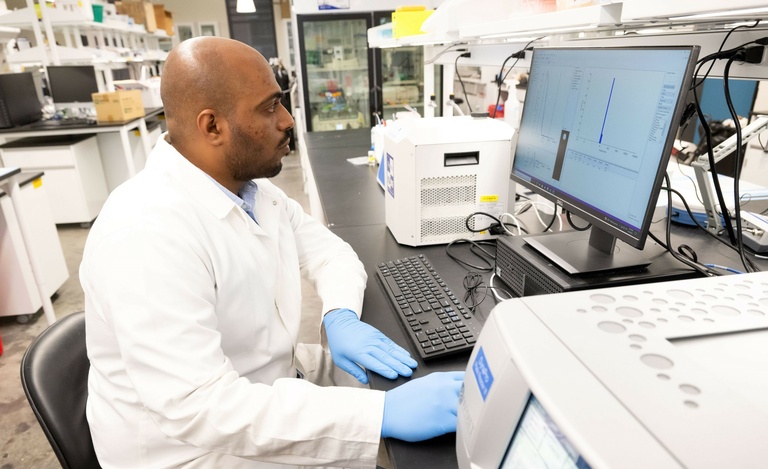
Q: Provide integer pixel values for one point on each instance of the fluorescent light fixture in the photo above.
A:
(245, 6)
(547, 31)
(718, 14)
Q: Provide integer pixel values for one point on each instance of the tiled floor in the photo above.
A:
(22, 443)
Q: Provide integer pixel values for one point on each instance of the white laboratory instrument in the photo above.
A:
(704, 179)
(438, 171)
(665, 375)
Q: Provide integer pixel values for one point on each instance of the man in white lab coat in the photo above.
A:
(191, 276)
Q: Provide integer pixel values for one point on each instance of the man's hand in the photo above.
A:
(355, 344)
(422, 408)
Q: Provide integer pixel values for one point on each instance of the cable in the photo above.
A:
(719, 51)
(516, 224)
(456, 68)
(713, 170)
(480, 230)
(570, 222)
(703, 270)
(547, 226)
(500, 80)
(475, 248)
(447, 49)
(737, 161)
(702, 228)
(495, 294)
(473, 282)
(722, 267)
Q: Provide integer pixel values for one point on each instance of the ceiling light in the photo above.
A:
(245, 6)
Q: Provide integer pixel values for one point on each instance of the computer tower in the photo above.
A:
(19, 102)
(527, 272)
(438, 171)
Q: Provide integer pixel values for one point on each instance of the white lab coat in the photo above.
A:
(192, 319)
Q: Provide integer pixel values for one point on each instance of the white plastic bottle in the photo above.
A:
(512, 107)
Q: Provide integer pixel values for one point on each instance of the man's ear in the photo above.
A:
(212, 127)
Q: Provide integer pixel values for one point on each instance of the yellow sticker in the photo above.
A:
(37, 183)
(137, 133)
(489, 198)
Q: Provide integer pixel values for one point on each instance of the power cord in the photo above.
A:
(500, 79)
(497, 228)
(738, 155)
(473, 286)
(570, 222)
(476, 248)
(696, 222)
(720, 54)
(456, 68)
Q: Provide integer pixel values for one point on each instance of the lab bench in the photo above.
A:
(352, 205)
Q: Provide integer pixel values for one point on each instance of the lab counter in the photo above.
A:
(353, 205)
(348, 194)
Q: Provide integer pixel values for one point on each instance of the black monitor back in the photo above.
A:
(19, 103)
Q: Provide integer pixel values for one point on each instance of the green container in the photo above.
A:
(98, 13)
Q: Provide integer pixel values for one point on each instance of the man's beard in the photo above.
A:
(245, 159)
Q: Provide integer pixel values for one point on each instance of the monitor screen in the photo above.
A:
(538, 442)
(70, 84)
(596, 134)
(19, 99)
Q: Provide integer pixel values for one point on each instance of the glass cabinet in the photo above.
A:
(402, 79)
(337, 71)
(344, 82)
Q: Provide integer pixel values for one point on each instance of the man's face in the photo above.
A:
(259, 130)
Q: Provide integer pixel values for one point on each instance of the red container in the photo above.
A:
(499, 111)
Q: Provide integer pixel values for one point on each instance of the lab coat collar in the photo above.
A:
(199, 186)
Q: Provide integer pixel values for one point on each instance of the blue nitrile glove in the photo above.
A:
(355, 344)
(423, 408)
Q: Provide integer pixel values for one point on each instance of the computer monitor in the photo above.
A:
(71, 86)
(19, 101)
(596, 134)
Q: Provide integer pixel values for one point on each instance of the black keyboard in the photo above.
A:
(434, 318)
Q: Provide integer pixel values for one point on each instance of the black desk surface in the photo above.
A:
(37, 127)
(348, 193)
(354, 207)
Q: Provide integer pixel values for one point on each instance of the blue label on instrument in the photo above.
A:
(483, 375)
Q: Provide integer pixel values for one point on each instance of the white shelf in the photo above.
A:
(20, 18)
(7, 32)
(79, 21)
(381, 37)
(23, 18)
(37, 55)
(643, 10)
(575, 19)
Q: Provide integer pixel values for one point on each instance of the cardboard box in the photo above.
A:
(149, 88)
(118, 106)
(141, 12)
(163, 18)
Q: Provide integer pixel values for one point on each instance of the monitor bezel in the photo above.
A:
(582, 210)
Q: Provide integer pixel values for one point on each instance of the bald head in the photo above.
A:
(204, 73)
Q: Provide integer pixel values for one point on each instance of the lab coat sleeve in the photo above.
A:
(165, 326)
(329, 262)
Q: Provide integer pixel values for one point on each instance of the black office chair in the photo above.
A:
(54, 374)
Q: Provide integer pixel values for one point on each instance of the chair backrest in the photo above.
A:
(54, 375)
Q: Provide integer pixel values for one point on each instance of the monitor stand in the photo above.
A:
(585, 252)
